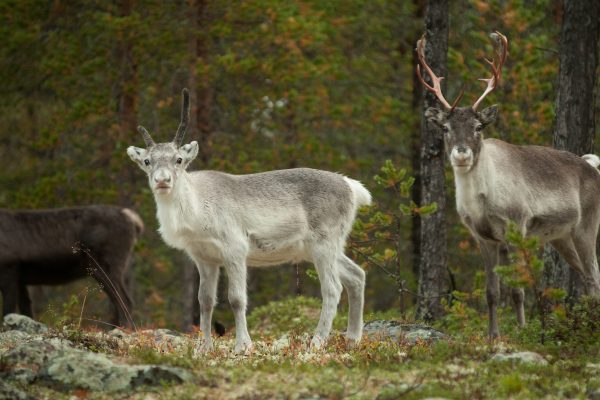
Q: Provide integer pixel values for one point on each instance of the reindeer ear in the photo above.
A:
(137, 154)
(436, 116)
(189, 152)
(488, 115)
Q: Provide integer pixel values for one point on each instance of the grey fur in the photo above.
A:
(262, 219)
(548, 193)
(39, 247)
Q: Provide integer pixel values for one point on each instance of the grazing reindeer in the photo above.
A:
(548, 193)
(56, 246)
(255, 220)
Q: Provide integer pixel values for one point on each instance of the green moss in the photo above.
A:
(292, 315)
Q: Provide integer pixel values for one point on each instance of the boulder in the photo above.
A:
(528, 357)
(12, 337)
(58, 364)
(10, 392)
(399, 332)
(22, 323)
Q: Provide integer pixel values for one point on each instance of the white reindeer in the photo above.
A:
(548, 193)
(255, 220)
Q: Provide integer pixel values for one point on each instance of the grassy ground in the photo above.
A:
(459, 368)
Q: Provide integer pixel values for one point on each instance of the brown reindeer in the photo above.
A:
(58, 246)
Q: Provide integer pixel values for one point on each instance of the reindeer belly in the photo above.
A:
(264, 252)
(553, 225)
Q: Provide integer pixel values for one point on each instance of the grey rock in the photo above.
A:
(58, 364)
(399, 332)
(27, 359)
(528, 357)
(117, 333)
(10, 338)
(10, 392)
(22, 323)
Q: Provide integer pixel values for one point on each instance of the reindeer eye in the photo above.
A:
(179, 160)
(478, 128)
(445, 129)
(147, 162)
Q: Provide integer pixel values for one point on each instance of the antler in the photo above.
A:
(501, 49)
(436, 88)
(147, 139)
(185, 117)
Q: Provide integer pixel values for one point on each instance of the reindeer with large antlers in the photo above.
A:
(548, 193)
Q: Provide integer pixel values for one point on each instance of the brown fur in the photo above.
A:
(50, 247)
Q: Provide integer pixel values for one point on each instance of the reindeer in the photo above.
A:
(548, 193)
(255, 220)
(58, 246)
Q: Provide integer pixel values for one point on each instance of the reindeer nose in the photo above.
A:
(162, 179)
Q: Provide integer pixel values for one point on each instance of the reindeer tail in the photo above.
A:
(135, 219)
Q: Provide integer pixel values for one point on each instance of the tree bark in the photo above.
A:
(416, 104)
(574, 125)
(200, 128)
(201, 93)
(433, 281)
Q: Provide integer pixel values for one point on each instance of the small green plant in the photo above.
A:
(578, 326)
(511, 384)
(525, 271)
(460, 317)
(377, 238)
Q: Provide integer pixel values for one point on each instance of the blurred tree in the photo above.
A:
(574, 125)
(278, 83)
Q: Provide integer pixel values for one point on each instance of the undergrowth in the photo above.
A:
(459, 367)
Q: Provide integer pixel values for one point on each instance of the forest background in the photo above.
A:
(275, 84)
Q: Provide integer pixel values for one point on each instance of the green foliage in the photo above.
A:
(511, 384)
(319, 84)
(461, 317)
(377, 238)
(525, 271)
(291, 315)
(526, 268)
(577, 329)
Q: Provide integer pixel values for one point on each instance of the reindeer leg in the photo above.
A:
(207, 298)
(489, 251)
(24, 301)
(331, 289)
(517, 294)
(353, 280)
(585, 244)
(237, 294)
(9, 288)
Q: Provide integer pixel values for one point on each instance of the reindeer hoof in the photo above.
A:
(352, 342)
(203, 349)
(243, 347)
(317, 343)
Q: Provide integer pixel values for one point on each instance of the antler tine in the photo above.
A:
(185, 117)
(460, 95)
(501, 49)
(436, 88)
(147, 138)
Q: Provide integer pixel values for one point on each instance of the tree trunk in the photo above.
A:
(574, 126)
(200, 128)
(432, 273)
(128, 104)
(416, 104)
(201, 93)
